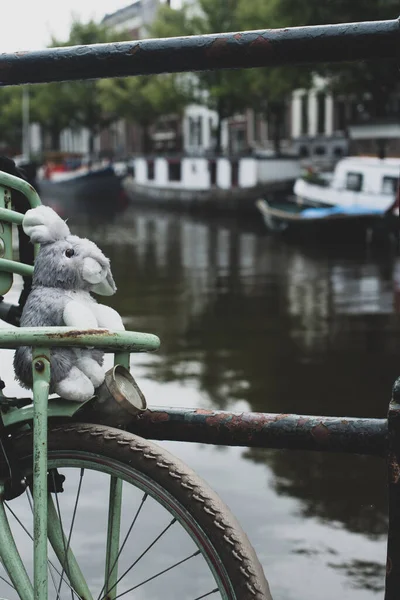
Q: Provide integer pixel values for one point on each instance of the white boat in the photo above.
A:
(207, 184)
(357, 181)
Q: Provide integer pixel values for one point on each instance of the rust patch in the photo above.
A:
(22, 52)
(388, 566)
(320, 433)
(76, 333)
(134, 50)
(302, 421)
(156, 416)
(219, 47)
(344, 421)
(260, 42)
(280, 417)
(236, 422)
(238, 36)
(394, 468)
(203, 411)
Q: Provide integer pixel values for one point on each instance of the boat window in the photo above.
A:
(354, 182)
(150, 170)
(390, 185)
(174, 170)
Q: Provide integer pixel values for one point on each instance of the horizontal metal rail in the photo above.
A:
(264, 430)
(67, 337)
(369, 40)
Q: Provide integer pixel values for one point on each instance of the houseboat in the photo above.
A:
(359, 181)
(207, 184)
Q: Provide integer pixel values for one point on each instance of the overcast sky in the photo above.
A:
(29, 24)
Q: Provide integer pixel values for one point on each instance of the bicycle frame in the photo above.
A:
(42, 339)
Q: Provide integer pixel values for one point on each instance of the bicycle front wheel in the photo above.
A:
(137, 523)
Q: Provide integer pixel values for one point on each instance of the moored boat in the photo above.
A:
(206, 184)
(364, 181)
(355, 221)
(83, 186)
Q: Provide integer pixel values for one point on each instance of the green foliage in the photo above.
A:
(56, 106)
(52, 106)
(370, 83)
(142, 99)
(11, 116)
(85, 108)
(270, 89)
(220, 90)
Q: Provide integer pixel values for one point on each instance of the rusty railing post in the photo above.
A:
(392, 588)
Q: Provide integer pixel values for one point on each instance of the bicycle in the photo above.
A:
(52, 448)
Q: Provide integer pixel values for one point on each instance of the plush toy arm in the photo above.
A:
(78, 315)
(108, 317)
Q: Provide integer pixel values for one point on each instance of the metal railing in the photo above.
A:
(328, 43)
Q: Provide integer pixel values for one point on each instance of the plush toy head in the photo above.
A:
(66, 261)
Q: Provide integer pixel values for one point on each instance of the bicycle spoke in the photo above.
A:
(53, 579)
(159, 574)
(206, 595)
(8, 582)
(31, 538)
(63, 538)
(143, 553)
(74, 514)
(145, 496)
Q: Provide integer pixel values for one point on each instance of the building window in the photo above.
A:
(256, 127)
(150, 170)
(212, 130)
(304, 114)
(319, 150)
(304, 152)
(338, 151)
(212, 166)
(321, 113)
(354, 182)
(196, 131)
(174, 170)
(200, 132)
(390, 185)
(341, 120)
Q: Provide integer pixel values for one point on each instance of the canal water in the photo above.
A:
(253, 322)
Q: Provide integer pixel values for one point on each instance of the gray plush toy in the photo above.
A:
(67, 269)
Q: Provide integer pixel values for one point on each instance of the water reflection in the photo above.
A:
(249, 321)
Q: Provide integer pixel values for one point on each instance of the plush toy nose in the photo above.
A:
(92, 271)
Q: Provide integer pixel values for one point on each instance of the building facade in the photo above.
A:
(317, 126)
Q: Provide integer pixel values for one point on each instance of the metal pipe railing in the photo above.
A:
(264, 430)
(369, 40)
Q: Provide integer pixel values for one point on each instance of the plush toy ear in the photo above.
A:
(106, 287)
(43, 225)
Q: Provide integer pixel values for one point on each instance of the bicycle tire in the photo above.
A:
(139, 456)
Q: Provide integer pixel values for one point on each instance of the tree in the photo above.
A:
(220, 90)
(83, 105)
(143, 99)
(269, 89)
(11, 116)
(52, 106)
(370, 83)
